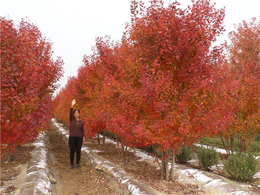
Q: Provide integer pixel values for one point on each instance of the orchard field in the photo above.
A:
(163, 89)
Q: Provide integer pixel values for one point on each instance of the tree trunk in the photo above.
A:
(104, 139)
(172, 168)
(166, 165)
(98, 140)
(163, 165)
(10, 157)
(225, 147)
(118, 149)
(86, 137)
(232, 145)
(122, 149)
(243, 146)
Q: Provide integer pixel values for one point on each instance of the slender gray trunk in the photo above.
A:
(104, 139)
(163, 165)
(166, 165)
(122, 149)
(118, 149)
(232, 145)
(98, 140)
(172, 168)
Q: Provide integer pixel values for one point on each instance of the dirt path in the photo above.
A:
(148, 176)
(76, 181)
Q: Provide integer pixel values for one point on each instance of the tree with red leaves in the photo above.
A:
(62, 101)
(244, 68)
(28, 77)
(172, 47)
(154, 87)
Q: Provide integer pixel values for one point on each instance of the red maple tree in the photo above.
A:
(172, 49)
(153, 88)
(28, 77)
(243, 65)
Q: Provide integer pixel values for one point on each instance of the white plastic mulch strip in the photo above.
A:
(133, 186)
(190, 175)
(222, 151)
(257, 175)
(37, 180)
(187, 175)
(88, 150)
(59, 125)
(219, 150)
(211, 181)
(202, 178)
(142, 155)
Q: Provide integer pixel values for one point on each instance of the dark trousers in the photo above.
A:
(75, 144)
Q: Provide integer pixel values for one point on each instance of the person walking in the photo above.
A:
(76, 135)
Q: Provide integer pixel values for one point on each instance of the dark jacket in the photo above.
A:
(76, 127)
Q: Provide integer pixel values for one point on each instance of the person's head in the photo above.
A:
(76, 113)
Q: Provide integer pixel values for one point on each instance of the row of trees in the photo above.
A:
(164, 83)
(28, 77)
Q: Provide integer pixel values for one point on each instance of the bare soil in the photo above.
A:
(76, 181)
(66, 181)
(87, 180)
(141, 170)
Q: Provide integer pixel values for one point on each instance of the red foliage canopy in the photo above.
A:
(28, 77)
(152, 87)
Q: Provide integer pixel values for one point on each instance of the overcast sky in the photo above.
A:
(72, 26)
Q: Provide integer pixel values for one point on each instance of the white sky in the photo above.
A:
(72, 26)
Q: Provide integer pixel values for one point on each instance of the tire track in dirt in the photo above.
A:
(75, 181)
